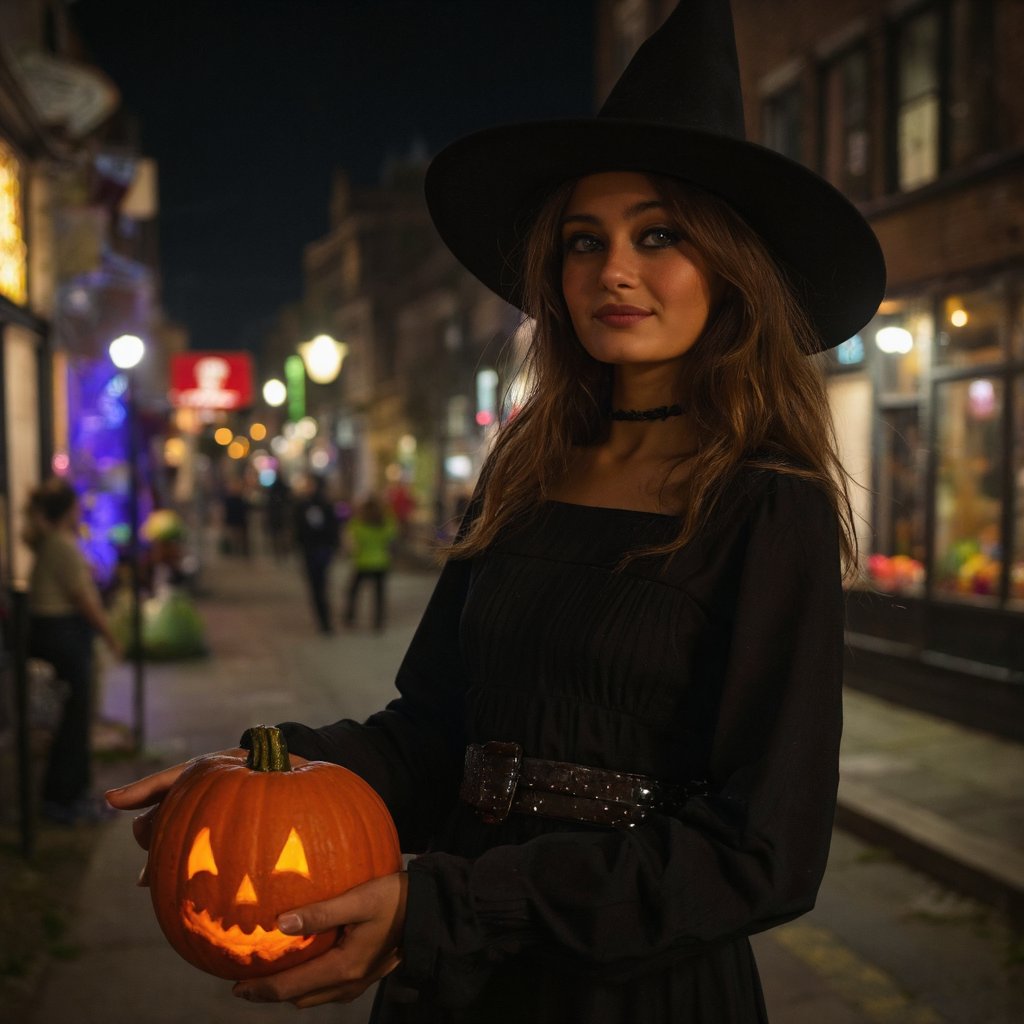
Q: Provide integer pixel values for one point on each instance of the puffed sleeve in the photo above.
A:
(748, 856)
(412, 751)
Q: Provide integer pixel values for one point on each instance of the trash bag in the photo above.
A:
(172, 628)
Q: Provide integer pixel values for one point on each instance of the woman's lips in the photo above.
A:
(621, 316)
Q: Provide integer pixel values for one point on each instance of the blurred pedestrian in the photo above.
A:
(615, 748)
(369, 541)
(236, 519)
(65, 615)
(316, 535)
(278, 517)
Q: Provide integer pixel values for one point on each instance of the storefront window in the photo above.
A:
(901, 336)
(12, 235)
(896, 563)
(969, 496)
(970, 331)
(1017, 564)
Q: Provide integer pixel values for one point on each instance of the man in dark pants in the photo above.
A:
(316, 534)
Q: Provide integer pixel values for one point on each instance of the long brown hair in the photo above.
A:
(754, 395)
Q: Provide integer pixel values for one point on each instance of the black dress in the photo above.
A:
(723, 664)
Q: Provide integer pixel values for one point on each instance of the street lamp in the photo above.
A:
(274, 392)
(323, 356)
(126, 353)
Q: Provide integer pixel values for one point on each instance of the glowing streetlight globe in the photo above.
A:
(127, 351)
(274, 392)
(323, 357)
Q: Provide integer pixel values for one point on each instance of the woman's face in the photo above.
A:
(636, 289)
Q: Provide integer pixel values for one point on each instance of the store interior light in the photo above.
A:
(958, 318)
(894, 340)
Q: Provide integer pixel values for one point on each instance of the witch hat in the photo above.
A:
(676, 110)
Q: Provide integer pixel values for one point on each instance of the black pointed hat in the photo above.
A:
(676, 110)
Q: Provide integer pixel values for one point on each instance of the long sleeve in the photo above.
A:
(412, 751)
(748, 856)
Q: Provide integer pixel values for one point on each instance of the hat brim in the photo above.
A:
(484, 190)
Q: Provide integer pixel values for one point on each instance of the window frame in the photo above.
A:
(895, 31)
(826, 67)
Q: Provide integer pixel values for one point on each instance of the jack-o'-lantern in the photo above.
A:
(238, 841)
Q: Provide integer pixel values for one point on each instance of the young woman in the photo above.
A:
(615, 747)
(65, 615)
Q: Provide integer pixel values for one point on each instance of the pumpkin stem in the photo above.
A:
(269, 751)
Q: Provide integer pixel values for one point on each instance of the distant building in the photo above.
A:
(420, 388)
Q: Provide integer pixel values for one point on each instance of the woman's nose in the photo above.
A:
(619, 267)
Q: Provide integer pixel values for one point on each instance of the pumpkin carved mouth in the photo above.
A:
(238, 944)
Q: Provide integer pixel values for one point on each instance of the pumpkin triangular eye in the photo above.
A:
(200, 857)
(293, 856)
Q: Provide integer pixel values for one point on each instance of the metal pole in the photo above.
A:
(139, 693)
(19, 653)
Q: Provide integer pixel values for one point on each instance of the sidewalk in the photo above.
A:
(947, 799)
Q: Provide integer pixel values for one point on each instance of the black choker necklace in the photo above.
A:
(662, 412)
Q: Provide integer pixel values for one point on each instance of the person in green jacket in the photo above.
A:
(369, 537)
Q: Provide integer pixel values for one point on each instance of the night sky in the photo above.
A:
(249, 104)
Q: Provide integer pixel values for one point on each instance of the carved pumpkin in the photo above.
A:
(238, 841)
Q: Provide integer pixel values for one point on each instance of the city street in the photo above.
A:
(885, 944)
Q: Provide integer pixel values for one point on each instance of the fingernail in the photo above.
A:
(290, 923)
(143, 878)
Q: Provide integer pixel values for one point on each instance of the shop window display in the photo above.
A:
(901, 336)
(970, 328)
(969, 495)
(896, 564)
(1017, 565)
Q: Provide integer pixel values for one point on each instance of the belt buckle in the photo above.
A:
(490, 778)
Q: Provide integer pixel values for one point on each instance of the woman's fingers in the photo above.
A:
(329, 978)
(142, 826)
(379, 902)
(370, 919)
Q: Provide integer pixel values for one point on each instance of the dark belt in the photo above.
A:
(498, 781)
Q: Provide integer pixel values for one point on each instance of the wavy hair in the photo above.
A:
(753, 394)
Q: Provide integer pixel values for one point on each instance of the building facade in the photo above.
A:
(418, 393)
(913, 109)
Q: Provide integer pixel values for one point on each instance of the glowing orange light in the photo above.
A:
(223, 436)
(257, 431)
(240, 945)
(200, 857)
(293, 856)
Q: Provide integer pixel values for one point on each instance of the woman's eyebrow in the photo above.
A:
(631, 212)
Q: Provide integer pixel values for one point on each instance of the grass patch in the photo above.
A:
(38, 902)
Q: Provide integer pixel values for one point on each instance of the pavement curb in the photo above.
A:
(975, 865)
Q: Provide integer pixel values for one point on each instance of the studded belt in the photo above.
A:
(499, 781)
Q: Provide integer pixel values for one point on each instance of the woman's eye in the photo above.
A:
(660, 238)
(582, 243)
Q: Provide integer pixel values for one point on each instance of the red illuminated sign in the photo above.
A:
(211, 380)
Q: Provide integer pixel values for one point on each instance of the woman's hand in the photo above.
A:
(370, 920)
